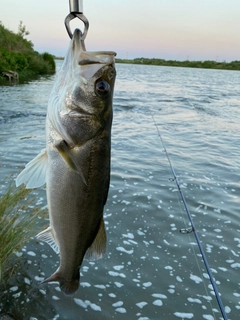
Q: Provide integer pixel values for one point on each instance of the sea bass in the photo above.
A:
(76, 162)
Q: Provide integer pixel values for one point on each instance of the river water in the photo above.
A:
(150, 270)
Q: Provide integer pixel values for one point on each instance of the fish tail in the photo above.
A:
(67, 286)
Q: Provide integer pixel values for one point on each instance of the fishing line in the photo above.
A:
(192, 228)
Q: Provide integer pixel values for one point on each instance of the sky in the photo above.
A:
(165, 29)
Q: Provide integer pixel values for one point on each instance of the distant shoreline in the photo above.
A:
(207, 64)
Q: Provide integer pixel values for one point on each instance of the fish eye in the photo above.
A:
(102, 87)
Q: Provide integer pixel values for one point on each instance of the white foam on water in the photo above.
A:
(112, 295)
(17, 295)
(208, 298)
(118, 268)
(184, 315)
(195, 278)
(158, 303)
(147, 284)
(140, 233)
(165, 241)
(94, 307)
(230, 261)
(141, 304)
(37, 278)
(85, 268)
(172, 291)
(227, 309)
(194, 300)
(117, 304)
(208, 317)
(179, 279)
(100, 286)
(87, 303)
(118, 284)
(159, 295)
(116, 274)
(126, 202)
(27, 281)
(80, 302)
(15, 288)
(168, 268)
(18, 254)
(31, 253)
(55, 298)
(223, 248)
(121, 249)
(121, 310)
(235, 265)
(132, 242)
(236, 295)
(42, 291)
(234, 253)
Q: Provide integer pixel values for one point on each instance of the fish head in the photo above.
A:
(84, 89)
(93, 76)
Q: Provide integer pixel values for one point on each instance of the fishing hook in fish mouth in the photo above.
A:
(80, 16)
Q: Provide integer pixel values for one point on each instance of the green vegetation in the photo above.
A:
(17, 225)
(17, 54)
(234, 65)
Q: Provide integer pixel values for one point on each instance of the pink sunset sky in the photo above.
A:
(166, 29)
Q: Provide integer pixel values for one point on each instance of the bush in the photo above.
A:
(17, 224)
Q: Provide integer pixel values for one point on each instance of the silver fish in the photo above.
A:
(76, 162)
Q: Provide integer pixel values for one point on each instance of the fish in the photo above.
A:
(75, 165)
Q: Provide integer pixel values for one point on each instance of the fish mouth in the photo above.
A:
(90, 57)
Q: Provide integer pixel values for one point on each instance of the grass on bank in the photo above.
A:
(17, 54)
(18, 219)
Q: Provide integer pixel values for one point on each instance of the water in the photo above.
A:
(151, 270)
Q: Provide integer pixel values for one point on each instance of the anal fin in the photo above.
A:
(47, 236)
(98, 247)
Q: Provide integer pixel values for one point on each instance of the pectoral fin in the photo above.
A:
(98, 247)
(48, 237)
(67, 155)
(34, 174)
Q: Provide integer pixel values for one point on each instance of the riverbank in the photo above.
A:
(208, 64)
(18, 56)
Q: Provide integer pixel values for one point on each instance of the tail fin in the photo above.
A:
(67, 286)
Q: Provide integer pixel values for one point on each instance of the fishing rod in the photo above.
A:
(192, 228)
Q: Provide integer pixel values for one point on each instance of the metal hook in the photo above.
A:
(80, 16)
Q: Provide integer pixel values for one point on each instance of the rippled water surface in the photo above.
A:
(150, 270)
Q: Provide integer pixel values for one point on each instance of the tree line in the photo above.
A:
(208, 64)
